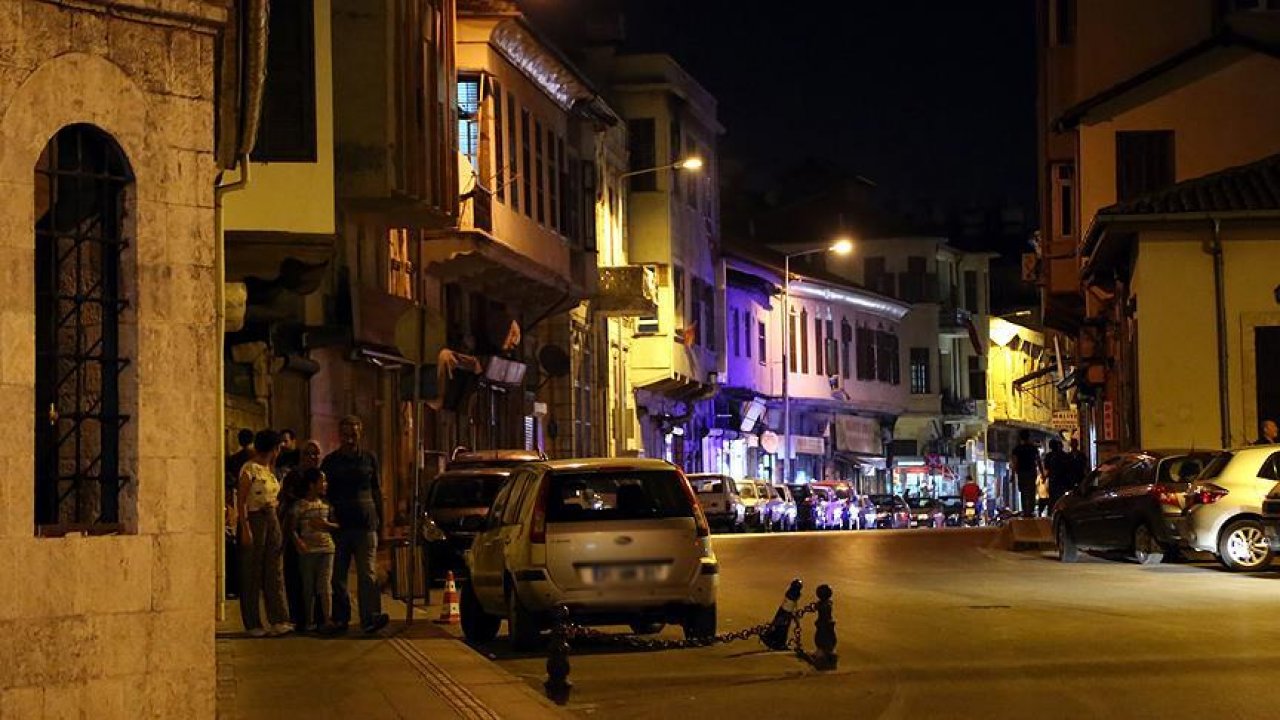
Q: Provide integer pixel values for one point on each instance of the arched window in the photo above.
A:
(82, 184)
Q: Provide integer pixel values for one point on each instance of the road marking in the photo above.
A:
(458, 697)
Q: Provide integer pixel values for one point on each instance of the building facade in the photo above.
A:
(109, 332)
(845, 384)
(1157, 255)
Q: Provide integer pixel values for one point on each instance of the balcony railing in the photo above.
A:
(476, 209)
(628, 290)
(953, 318)
(952, 405)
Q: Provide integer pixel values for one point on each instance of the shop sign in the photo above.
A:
(1108, 421)
(1064, 420)
(806, 445)
(769, 441)
(859, 435)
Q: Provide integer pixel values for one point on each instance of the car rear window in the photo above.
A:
(747, 490)
(616, 495)
(711, 484)
(881, 500)
(1216, 466)
(465, 491)
(921, 503)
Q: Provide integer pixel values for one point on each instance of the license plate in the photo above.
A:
(625, 573)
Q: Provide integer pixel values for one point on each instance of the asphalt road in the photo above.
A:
(942, 624)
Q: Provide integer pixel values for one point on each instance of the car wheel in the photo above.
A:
(1243, 546)
(1146, 549)
(1068, 551)
(700, 622)
(646, 628)
(522, 626)
(477, 625)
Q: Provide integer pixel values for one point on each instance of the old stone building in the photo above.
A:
(108, 347)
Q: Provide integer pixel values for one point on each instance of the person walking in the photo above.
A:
(1058, 467)
(1042, 495)
(294, 487)
(356, 496)
(261, 540)
(1026, 468)
(231, 478)
(311, 529)
(290, 456)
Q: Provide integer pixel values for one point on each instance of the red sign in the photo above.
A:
(1108, 421)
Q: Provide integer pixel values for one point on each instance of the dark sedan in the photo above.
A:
(454, 511)
(1130, 503)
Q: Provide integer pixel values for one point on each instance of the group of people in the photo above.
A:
(296, 518)
(1043, 479)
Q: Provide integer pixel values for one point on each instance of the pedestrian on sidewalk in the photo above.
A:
(311, 529)
(231, 551)
(1026, 468)
(290, 456)
(356, 496)
(1269, 433)
(261, 541)
(293, 489)
(1058, 466)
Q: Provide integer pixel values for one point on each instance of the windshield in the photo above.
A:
(465, 491)
(1216, 466)
(950, 503)
(711, 483)
(616, 495)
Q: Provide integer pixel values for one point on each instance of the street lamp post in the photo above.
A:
(690, 163)
(843, 246)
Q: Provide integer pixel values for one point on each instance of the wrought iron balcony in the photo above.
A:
(628, 290)
(956, 406)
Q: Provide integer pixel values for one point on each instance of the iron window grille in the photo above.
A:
(82, 178)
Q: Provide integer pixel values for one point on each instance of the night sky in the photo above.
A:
(934, 101)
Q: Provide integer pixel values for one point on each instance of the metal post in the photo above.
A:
(416, 511)
(557, 685)
(824, 637)
(786, 369)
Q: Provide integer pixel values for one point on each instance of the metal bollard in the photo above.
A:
(824, 637)
(775, 638)
(557, 684)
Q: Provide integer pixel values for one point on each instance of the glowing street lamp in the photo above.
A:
(692, 163)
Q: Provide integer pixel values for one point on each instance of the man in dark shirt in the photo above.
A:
(1026, 468)
(1077, 463)
(356, 497)
(1057, 466)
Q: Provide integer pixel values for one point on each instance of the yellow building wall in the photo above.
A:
(1251, 273)
(295, 196)
(1004, 365)
(1225, 119)
(1177, 344)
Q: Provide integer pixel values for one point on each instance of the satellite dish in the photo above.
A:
(554, 361)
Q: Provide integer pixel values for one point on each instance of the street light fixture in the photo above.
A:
(692, 162)
(841, 246)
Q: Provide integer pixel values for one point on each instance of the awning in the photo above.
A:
(1034, 375)
(679, 388)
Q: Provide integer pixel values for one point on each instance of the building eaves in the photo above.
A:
(1205, 56)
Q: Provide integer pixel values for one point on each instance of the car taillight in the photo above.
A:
(1167, 496)
(1207, 494)
(538, 524)
(699, 519)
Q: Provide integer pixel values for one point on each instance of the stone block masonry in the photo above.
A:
(120, 625)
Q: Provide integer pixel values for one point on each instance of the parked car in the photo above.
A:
(754, 495)
(862, 512)
(1225, 511)
(1132, 502)
(454, 508)
(925, 512)
(616, 541)
(808, 506)
(462, 457)
(834, 508)
(720, 500)
(952, 510)
(780, 509)
(891, 512)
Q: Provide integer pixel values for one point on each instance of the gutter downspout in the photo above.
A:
(1220, 308)
(220, 315)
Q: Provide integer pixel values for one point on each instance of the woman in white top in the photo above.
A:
(261, 542)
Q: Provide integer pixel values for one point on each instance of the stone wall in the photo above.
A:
(121, 625)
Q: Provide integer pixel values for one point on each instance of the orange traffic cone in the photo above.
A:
(450, 613)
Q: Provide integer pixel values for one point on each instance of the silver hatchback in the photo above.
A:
(1223, 508)
(615, 541)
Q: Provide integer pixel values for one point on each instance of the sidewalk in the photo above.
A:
(405, 671)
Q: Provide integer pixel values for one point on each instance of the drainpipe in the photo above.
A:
(1220, 306)
(220, 315)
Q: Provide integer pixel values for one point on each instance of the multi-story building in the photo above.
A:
(845, 384)
(109, 361)
(944, 351)
(672, 225)
(1156, 150)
